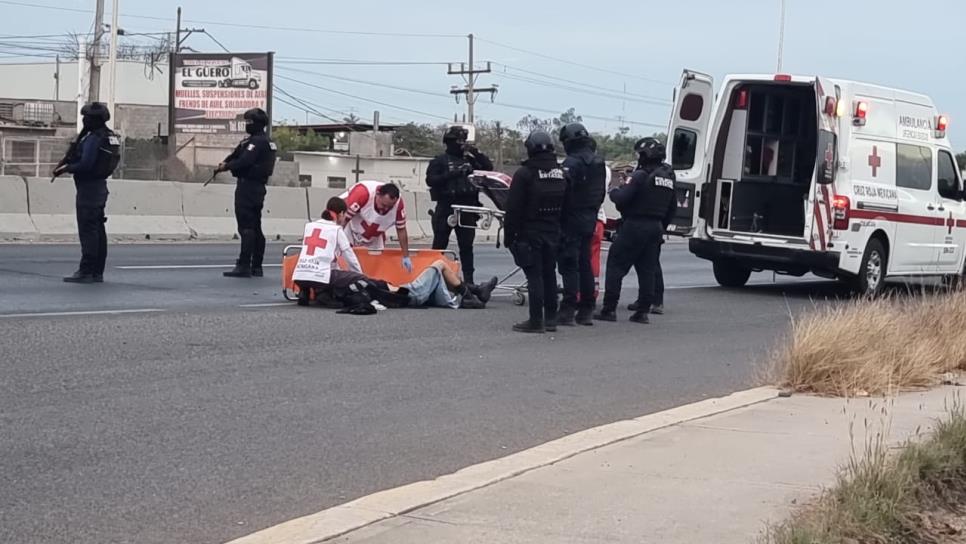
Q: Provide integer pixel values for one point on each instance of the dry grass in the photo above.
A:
(915, 496)
(875, 346)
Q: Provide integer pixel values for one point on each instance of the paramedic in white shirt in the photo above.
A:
(324, 241)
(374, 208)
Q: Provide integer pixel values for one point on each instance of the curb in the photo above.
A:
(340, 520)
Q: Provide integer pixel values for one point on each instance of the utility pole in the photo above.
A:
(469, 72)
(57, 81)
(177, 34)
(112, 90)
(781, 36)
(499, 146)
(82, 66)
(94, 93)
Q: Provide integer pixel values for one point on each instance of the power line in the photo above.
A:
(583, 115)
(572, 63)
(559, 86)
(364, 82)
(582, 84)
(357, 97)
(360, 62)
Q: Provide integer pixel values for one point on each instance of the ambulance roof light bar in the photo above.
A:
(860, 114)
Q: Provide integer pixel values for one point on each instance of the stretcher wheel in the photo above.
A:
(289, 295)
(452, 221)
(519, 298)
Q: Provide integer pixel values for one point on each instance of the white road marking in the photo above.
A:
(184, 266)
(265, 305)
(90, 312)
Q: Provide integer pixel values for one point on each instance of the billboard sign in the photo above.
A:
(210, 92)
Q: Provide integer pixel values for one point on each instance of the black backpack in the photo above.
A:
(109, 153)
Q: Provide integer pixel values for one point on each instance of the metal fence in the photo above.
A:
(31, 157)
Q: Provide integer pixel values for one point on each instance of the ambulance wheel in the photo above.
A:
(731, 274)
(871, 277)
(519, 298)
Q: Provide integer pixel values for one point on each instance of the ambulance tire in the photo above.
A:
(731, 274)
(871, 278)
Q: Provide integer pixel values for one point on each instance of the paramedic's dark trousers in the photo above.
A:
(658, 280)
(464, 236)
(638, 245)
(249, 199)
(576, 271)
(540, 256)
(91, 231)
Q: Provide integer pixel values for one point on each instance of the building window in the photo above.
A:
(335, 182)
(913, 167)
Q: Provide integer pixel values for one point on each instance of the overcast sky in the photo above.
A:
(638, 47)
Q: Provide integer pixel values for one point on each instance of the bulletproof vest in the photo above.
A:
(460, 187)
(654, 192)
(264, 165)
(547, 192)
(588, 184)
(108, 154)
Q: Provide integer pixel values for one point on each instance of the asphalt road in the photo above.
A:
(220, 412)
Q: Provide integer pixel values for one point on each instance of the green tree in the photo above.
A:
(620, 146)
(289, 139)
(961, 160)
(421, 140)
(500, 143)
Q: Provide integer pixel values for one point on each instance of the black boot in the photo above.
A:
(606, 315)
(640, 317)
(240, 271)
(485, 291)
(632, 307)
(585, 316)
(304, 297)
(657, 309)
(470, 302)
(257, 272)
(98, 278)
(529, 327)
(566, 316)
(80, 277)
(551, 325)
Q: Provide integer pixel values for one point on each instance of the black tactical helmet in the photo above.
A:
(650, 150)
(456, 133)
(96, 111)
(537, 142)
(573, 131)
(257, 116)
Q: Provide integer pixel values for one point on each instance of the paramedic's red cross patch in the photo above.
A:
(316, 241)
(875, 161)
(950, 223)
(370, 231)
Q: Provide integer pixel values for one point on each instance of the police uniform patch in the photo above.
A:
(663, 182)
(251, 147)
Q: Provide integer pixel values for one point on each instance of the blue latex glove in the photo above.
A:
(407, 264)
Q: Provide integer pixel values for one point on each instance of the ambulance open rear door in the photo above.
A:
(687, 148)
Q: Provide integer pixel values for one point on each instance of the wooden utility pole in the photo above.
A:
(469, 72)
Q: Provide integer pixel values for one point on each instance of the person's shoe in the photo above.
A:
(470, 302)
(640, 317)
(528, 327)
(566, 317)
(257, 272)
(632, 307)
(303, 299)
(79, 277)
(98, 278)
(606, 315)
(551, 325)
(485, 291)
(657, 309)
(238, 272)
(585, 317)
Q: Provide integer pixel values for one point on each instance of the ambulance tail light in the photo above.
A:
(860, 114)
(783, 77)
(942, 122)
(741, 100)
(830, 106)
(841, 207)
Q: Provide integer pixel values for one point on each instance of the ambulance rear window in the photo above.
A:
(691, 107)
(913, 167)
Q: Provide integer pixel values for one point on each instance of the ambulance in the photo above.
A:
(794, 174)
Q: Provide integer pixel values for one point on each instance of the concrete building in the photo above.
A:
(338, 170)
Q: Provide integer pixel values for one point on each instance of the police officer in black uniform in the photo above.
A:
(448, 178)
(657, 303)
(252, 162)
(92, 158)
(534, 209)
(587, 175)
(647, 205)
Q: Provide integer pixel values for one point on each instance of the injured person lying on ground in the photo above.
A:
(438, 286)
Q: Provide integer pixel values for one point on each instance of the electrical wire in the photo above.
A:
(582, 84)
(364, 82)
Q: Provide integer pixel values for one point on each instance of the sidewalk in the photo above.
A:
(717, 479)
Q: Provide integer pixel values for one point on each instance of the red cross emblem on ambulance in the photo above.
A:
(875, 161)
(950, 223)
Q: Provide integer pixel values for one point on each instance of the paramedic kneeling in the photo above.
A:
(647, 205)
(323, 243)
(374, 208)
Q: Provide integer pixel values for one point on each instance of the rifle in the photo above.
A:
(210, 179)
(71, 149)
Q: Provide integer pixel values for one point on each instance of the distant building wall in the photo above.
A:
(334, 170)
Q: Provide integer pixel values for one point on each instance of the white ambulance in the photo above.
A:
(802, 174)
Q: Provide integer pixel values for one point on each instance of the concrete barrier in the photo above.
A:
(317, 198)
(52, 207)
(285, 213)
(15, 223)
(209, 211)
(146, 209)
